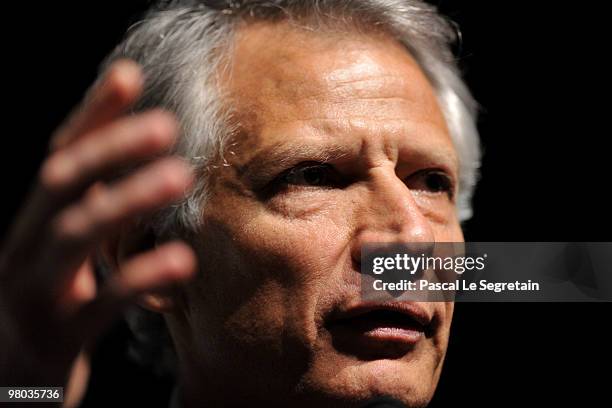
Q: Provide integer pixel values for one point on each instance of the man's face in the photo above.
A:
(342, 142)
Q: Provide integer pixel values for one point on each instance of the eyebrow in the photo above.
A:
(274, 159)
(268, 163)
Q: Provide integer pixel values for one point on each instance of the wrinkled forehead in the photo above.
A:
(285, 75)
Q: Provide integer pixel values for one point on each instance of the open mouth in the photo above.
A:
(379, 329)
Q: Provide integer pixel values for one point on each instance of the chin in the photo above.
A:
(341, 380)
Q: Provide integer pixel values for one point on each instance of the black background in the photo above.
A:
(537, 70)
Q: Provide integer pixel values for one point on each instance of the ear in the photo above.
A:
(129, 242)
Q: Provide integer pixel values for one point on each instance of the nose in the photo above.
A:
(389, 214)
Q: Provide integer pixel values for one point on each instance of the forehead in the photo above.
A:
(287, 76)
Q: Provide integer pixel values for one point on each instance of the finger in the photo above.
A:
(68, 172)
(76, 230)
(108, 98)
(155, 270)
(119, 87)
(80, 290)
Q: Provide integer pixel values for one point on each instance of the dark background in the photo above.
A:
(537, 70)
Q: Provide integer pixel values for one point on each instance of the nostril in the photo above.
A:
(356, 264)
(420, 248)
(356, 254)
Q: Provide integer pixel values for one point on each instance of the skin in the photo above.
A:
(275, 261)
(278, 255)
(51, 309)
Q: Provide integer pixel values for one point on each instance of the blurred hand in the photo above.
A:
(50, 306)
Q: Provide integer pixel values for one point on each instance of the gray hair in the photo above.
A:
(183, 45)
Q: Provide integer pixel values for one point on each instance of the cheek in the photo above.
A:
(307, 208)
(279, 262)
(304, 230)
(318, 213)
(262, 270)
(296, 250)
(447, 310)
(450, 232)
(299, 241)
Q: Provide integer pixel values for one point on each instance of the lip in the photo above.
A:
(364, 328)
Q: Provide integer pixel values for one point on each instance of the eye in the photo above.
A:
(432, 181)
(309, 174)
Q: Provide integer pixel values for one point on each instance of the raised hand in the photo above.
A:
(50, 306)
